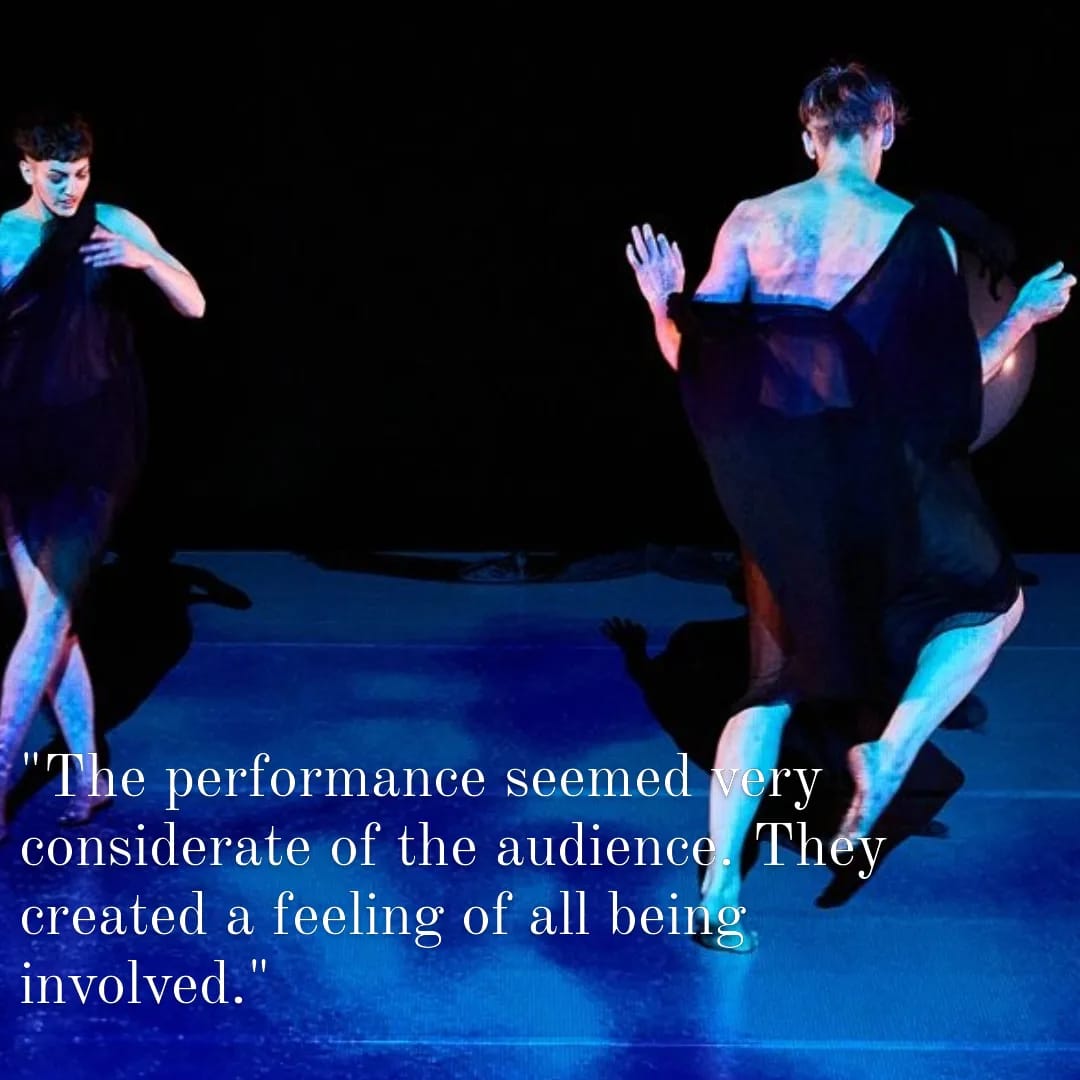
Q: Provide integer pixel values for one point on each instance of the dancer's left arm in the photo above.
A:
(123, 239)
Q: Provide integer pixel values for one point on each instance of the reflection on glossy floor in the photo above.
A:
(955, 960)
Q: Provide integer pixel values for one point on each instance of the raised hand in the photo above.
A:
(625, 633)
(1046, 295)
(110, 249)
(657, 264)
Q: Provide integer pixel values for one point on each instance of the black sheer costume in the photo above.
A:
(837, 440)
(72, 414)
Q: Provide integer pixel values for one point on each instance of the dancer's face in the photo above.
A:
(58, 185)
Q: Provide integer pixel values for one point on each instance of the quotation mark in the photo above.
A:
(27, 756)
(256, 965)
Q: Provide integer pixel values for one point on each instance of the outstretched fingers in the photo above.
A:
(677, 255)
(648, 247)
(644, 245)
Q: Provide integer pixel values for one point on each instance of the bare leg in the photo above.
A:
(73, 703)
(947, 671)
(751, 740)
(39, 662)
(33, 665)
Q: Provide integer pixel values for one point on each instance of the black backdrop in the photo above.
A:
(421, 328)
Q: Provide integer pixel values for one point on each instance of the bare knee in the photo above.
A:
(48, 617)
(1003, 627)
(759, 720)
(1015, 613)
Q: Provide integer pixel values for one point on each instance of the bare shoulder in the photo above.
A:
(896, 207)
(786, 199)
(891, 203)
(783, 212)
(777, 217)
(110, 213)
(13, 220)
(755, 215)
(132, 228)
(120, 220)
(894, 204)
(771, 205)
(19, 234)
(740, 218)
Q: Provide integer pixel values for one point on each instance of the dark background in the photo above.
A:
(421, 328)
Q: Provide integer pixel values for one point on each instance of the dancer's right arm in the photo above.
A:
(659, 268)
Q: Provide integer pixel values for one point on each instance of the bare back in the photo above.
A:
(807, 243)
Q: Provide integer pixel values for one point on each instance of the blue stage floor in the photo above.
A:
(957, 960)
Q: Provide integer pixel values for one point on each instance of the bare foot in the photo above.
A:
(83, 808)
(876, 782)
(732, 937)
(722, 941)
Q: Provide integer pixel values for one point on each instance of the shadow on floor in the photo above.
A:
(690, 687)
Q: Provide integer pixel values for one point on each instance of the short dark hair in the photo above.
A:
(54, 136)
(848, 100)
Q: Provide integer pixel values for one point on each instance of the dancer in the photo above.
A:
(71, 419)
(832, 377)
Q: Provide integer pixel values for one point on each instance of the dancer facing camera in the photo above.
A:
(832, 377)
(71, 419)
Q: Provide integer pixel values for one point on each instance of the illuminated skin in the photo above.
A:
(47, 663)
(120, 239)
(810, 243)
